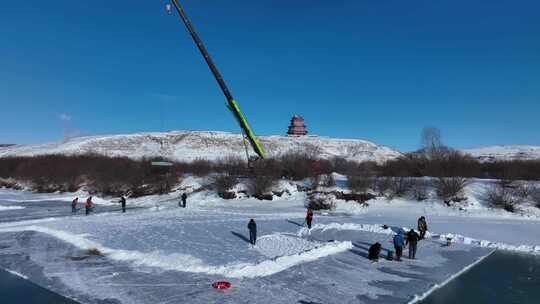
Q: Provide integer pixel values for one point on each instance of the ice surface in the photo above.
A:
(172, 255)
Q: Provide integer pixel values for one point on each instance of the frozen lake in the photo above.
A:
(170, 254)
(14, 289)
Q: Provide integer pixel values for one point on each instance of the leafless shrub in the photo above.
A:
(343, 166)
(264, 176)
(382, 185)
(358, 183)
(419, 189)
(222, 183)
(298, 166)
(523, 190)
(259, 185)
(267, 167)
(535, 196)
(311, 151)
(8, 183)
(201, 167)
(400, 186)
(232, 165)
(321, 201)
(502, 197)
(451, 189)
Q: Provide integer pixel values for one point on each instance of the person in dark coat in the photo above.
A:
(252, 226)
(309, 217)
(184, 199)
(412, 241)
(398, 245)
(123, 202)
(374, 252)
(89, 205)
(74, 203)
(422, 227)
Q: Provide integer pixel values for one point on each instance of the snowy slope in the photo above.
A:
(510, 152)
(190, 145)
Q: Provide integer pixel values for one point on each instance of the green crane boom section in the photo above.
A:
(231, 103)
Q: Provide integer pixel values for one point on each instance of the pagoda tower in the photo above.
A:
(297, 126)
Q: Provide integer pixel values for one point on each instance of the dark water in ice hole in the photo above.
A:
(501, 278)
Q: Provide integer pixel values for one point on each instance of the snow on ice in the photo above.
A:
(171, 254)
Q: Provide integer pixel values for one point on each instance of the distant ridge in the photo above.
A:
(191, 145)
(504, 152)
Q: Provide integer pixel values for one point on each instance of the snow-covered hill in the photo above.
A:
(510, 152)
(190, 145)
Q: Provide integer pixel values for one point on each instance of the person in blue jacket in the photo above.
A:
(398, 245)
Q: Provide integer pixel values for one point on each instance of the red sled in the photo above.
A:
(221, 285)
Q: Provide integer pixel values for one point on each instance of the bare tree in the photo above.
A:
(431, 143)
(431, 138)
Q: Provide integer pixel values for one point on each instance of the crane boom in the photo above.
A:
(231, 103)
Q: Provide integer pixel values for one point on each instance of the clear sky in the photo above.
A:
(372, 69)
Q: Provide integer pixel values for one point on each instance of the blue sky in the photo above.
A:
(373, 69)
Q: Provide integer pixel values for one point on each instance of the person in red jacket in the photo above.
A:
(89, 205)
(309, 217)
(74, 205)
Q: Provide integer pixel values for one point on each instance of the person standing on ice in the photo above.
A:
(252, 226)
(374, 252)
(398, 245)
(412, 241)
(89, 205)
(309, 217)
(74, 205)
(184, 200)
(123, 202)
(422, 227)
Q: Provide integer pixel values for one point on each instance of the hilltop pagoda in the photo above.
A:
(297, 126)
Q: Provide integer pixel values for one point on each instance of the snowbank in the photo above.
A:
(346, 226)
(350, 207)
(278, 244)
(20, 275)
(5, 208)
(531, 249)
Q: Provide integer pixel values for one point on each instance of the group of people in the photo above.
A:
(401, 241)
(89, 205)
